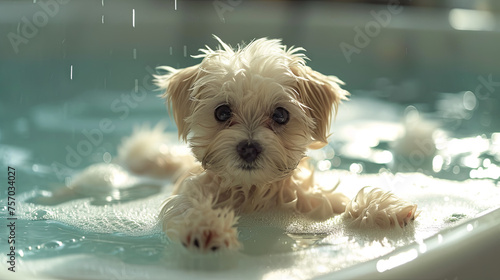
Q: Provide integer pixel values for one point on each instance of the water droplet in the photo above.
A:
(411, 114)
(356, 168)
(107, 157)
(117, 250)
(324, 165)
(437, 163)
(41, 214)
(336, 161)
(53, 244)
(469, 100)
(147, 252)
(329, 152)
(470, 227)
(67, 181)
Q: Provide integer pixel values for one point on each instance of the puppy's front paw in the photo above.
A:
(210, 231)
(378, 208)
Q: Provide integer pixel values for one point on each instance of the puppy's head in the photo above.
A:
(249, 114)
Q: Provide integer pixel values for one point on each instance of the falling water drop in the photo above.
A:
(133, 18)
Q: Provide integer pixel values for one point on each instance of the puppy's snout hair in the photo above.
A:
(249, 150)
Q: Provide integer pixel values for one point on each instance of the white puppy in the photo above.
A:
(249, 114)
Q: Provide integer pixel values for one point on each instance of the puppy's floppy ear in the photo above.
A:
(178, 84)
(322, 95)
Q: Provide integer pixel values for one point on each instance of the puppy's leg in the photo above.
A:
(192, 221)
(320, 205)
(311, 201)
(145, 152)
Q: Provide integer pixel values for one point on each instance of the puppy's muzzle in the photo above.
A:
(248, 150)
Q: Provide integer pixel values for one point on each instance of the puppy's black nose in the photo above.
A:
(248, 151)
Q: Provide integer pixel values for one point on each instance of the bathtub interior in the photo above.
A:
(421, 122)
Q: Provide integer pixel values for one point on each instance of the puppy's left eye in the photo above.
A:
(281, 115)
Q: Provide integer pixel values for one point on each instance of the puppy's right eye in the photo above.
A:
(223, 113)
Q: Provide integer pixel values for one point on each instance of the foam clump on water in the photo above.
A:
(101, 178)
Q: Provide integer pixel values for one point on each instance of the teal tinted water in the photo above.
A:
(121, 238)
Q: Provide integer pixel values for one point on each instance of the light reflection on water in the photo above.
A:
(436, 143)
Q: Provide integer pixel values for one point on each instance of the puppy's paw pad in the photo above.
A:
(212, 232)
(211, 240)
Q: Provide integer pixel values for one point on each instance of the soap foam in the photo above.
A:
(135, 218)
